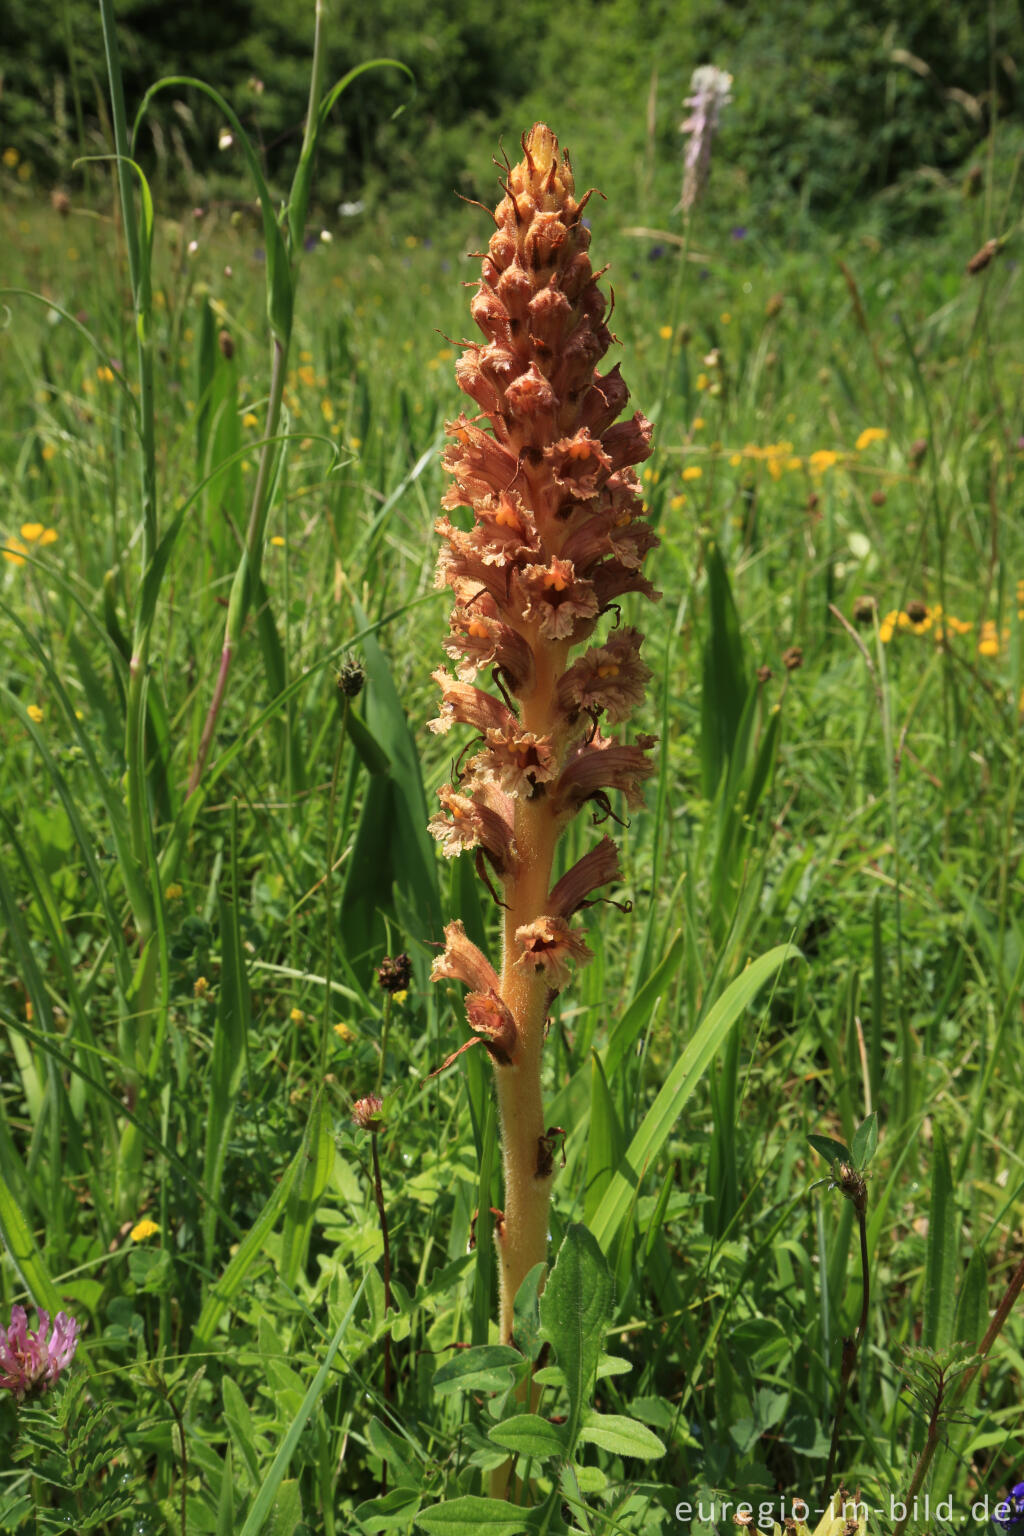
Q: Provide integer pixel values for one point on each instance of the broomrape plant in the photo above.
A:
(558, 537)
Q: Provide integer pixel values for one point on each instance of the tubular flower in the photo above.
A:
(558, 536)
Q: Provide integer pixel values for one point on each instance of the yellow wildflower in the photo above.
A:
(735, 459)
(200, 987)
(306, 375)
(105, 374)
(870, 435)
(677, 503)
(49, 452)
(11, 157)
(343, 1032)
(277, 541)
(15, 552)
(699, 423)
(143, 1229)
(692, 472)
(32, 532)
(988, 644)
(725, 317)
(665, 333)
(250, 419)
(702, 381)
(296, 1015)
(821, 460)
(35, 713)
(173, 892)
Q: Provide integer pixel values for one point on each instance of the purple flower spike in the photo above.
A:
(32, 1362)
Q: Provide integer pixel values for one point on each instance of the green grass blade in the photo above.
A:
(679, 1085)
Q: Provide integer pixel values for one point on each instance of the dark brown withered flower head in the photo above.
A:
(395, 972)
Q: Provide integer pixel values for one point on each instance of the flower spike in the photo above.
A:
(558, 536)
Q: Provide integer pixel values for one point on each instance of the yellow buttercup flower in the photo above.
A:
(870, 435)
(821, 460)
(692, 472)
(665, 333)
(144, 1229)
(35, 713)
(15, 552)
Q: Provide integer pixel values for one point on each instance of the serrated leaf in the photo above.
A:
(865, 1141)
(622, 1436)
(484, 1368)
(527, 1434)
(831, 1151)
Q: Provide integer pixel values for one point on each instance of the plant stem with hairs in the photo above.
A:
(558, 537)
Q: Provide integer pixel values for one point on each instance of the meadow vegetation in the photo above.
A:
(190, 993)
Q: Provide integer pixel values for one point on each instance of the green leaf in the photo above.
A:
(724, 684)
(941, 1258)
(526, 1329)
(229, 1039)
(484, 1368)
(636, 1016)
(24, 1253)
(575, 1309)
(248, 1251)
(831, 1151)
(621, 1436)
(677, 1088)
(865, 1141)
(391, 1512)
(470, 1515)
(307, 1194)
(527, 1434)
(266, 1504)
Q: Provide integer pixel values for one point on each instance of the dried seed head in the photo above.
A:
(351, 677)
(395, 972)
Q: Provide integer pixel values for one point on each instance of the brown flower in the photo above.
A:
(549, 944)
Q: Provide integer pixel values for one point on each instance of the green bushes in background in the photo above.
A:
(833, 102)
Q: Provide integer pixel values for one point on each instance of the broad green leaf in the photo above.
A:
(677, 1088)
(865, 1141)
(483, 1368)
(575, 1309)
(391, 1512)
(527, 1434)
(471, 1515)
(621, 1436)
(832, 1151)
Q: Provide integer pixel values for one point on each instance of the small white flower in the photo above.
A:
(326, 236)
(225, 139)
(349, 210)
